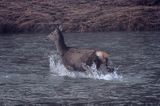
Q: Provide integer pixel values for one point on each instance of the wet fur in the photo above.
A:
(76, 58)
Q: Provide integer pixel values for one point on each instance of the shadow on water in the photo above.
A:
(26, 79)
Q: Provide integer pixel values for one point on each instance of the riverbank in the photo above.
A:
(79, 16)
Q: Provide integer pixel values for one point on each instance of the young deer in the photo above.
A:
(75, 58)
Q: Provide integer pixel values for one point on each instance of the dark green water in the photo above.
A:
(26, 79)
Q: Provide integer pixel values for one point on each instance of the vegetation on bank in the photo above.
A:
(79, 15)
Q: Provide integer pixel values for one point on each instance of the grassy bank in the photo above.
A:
(79, 16)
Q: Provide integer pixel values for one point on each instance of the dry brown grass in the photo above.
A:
(79, 16)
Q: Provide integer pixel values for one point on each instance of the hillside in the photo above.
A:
(32, 16)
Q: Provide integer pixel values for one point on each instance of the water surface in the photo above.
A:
(25, 76)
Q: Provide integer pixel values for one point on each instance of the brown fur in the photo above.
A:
(74, 58)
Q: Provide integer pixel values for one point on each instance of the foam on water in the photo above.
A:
(57, 68)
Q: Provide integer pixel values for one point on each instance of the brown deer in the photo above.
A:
(75, 58)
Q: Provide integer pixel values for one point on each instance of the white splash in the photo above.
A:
(57, 68)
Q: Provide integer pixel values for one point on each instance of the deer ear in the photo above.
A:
(60, 27)
(51, 36)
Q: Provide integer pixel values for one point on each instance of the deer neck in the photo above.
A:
(60, 45)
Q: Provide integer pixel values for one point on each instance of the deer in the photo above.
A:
(75, 59)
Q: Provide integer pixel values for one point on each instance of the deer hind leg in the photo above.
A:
(98, 62)
(102, 56)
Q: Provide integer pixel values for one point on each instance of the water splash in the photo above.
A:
(57, 68)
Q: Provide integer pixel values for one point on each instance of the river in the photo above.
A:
(27, 78)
